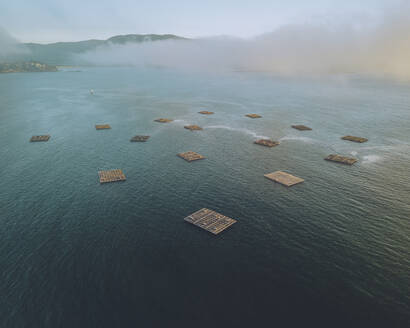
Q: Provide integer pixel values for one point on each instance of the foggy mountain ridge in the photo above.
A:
(379, 48)
(61, 53)
(317, 48)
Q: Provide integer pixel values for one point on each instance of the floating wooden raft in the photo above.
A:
(205, 112)
(341, 159)
(284, 178)
(267, 142)
(191, 156)
(301, 127)
(355, 139)
(163, 120)
(193, 127)
(102, 126)
(111, 176)
(210, 220)
(253, 115)
(139, 138)
(39, 138)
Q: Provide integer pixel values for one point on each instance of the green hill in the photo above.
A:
(61, 53)
(26, 67)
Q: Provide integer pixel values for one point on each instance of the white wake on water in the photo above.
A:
(242, 130)
(389, 151)
(369, 159)
(303, 139)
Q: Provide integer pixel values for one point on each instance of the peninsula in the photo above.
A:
(26, 67)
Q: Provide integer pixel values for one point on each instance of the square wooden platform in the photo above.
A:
(111, 176)
(39, 138)
(267, 142)
(191, 156)
(253, 115)
(284, 178)
(163, 120)
(341, 159)
(102, 126)
(210, 220)
(193, 127)
(355, 139)
(301, 127)
(139, 139)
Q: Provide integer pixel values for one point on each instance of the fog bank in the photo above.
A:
(9, 46)
(337, 48)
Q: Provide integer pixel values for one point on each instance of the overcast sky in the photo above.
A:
(61, 20)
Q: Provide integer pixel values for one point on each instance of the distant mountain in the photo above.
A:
(60, 53)
(138, 38)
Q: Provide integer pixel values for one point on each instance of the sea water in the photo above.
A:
(333, 251)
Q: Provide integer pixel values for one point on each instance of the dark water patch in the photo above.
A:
(333, 251)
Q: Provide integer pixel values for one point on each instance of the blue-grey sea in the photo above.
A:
(333, 251)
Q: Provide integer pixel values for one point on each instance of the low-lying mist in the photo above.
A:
(363, 48)
(9, 46)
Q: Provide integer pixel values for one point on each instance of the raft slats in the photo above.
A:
(111, 176)
(139, 139)
(301, 127)
(355, 139)
(341, 159)
(267, 142)
(163, 120)
(205, 112)
(190, 156)
(253, 115)
(40, 138)
(284, 178)
(210, 220)
(193, 127)
(102, 126)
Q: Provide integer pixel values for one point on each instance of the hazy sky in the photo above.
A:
(62, 20)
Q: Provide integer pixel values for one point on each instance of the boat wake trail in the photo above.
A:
(241, 130)
(369, 159)
(303, 139)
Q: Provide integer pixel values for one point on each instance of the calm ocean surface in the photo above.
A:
(331, 252)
